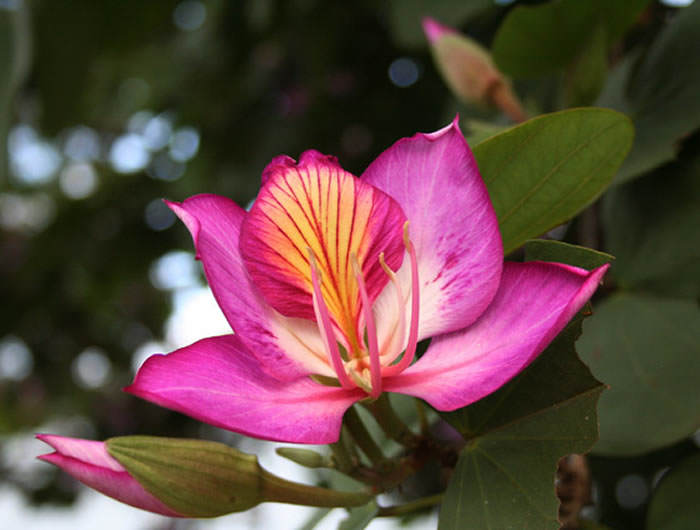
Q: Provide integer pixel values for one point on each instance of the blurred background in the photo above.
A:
(108, 107)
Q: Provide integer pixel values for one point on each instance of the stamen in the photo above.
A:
(410, 352)
(325, 325)
(400, 326)
(375, 369)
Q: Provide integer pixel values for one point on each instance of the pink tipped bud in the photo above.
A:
(434, 30)
(469, 71)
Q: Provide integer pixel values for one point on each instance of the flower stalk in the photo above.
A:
(363, 438)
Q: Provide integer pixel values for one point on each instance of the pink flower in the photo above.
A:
(337, 276)
(90, 463)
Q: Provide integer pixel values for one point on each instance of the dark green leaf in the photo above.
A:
(505, 474)
(547, 250)
(651, 225)
(675, 502)
(648, 350)
(660, 94)
(536, 40)
(543, 172)
(586, 75)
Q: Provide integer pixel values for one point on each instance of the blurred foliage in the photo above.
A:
(260, 78)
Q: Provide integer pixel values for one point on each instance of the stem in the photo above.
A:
(342, 457)
(277, 489)
(409, 507)
(422, 418)
(390, 423)
(362, 437)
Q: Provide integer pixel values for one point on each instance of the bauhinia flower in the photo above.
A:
(330, 281)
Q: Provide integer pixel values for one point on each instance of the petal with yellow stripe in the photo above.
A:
(316, 207)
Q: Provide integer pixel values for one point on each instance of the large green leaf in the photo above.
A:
(648, 350)
(651, 225)
(660, 93)
(536, 40)
(675, 503)
(543, 172)
(505, 474)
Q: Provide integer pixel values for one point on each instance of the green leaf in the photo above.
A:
(358, 518)
(405, 16)
(544, 171)
(540, 39)
(505, 474)
(651, 225)
(557, 251)
(648, 350)
(660, 93)
(194, 477)
(674, 505)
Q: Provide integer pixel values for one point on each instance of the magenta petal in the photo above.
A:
(215, 223)
(218, 381)
(534, 302)
(453, 226)
(90, 463)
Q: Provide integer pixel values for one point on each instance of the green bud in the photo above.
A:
(195, 478)
(198, 478)
(303, 457)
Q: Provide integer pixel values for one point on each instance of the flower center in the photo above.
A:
(364, 368)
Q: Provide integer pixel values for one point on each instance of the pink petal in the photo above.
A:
(218, 381)
(316, 206)
(453, 226)
(90, 463)
(284, 346)
(534, 303)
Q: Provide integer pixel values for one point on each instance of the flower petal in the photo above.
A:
(286, 347)
(218, 381)
(317, 205)
(90, 463)
(453, 226)
(534, 303)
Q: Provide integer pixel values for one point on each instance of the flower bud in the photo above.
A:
(469, 71)
(206, 479)
(195, 478)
